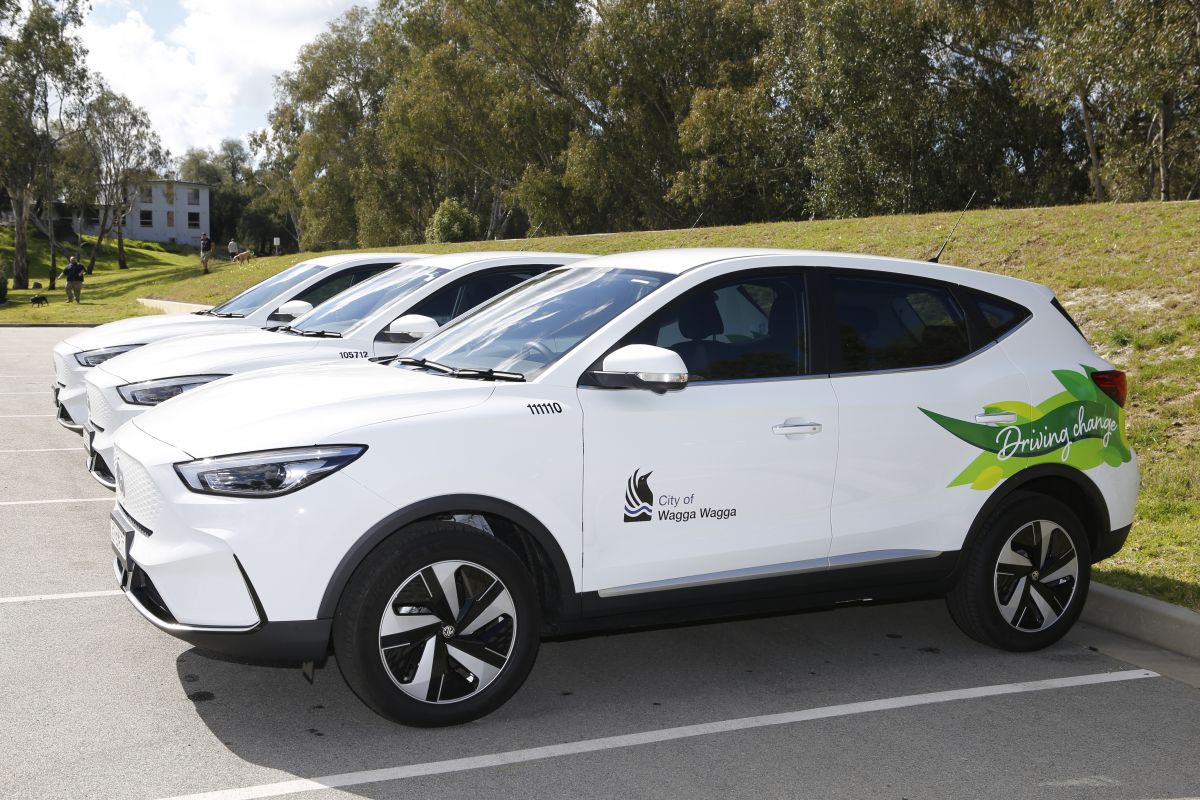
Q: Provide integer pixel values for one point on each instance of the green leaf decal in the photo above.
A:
(1081, 427)
(1080, 386)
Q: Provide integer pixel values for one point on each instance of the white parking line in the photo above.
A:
(42, 375)
(32, 598)
(653, 737)
(43, 391)
(47, 502)
(45, 450)
(23, 416)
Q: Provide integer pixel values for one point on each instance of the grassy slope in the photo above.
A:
(108, 293)
(1130, 274)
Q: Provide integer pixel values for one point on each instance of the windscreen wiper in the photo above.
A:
(489, 375)
(424, 363)
(317, 334)
(460, 372)
(227, 315)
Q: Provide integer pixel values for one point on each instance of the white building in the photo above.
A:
(174, 212)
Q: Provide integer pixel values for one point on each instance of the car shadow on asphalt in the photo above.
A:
(614, 684)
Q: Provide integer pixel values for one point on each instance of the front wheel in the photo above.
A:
(1026, 577)
(439, 626)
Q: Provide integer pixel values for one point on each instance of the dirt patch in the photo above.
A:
(1129, 299)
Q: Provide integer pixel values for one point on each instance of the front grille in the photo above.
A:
(141, 587)
(136, 492)
(99, 410)
(100, 469)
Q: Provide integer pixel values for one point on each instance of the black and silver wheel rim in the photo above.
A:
(447, 632)
(1037, 574)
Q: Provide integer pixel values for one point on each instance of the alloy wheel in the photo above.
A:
(447, 632)
(1036, 576)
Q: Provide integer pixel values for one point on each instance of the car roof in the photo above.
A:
(499, 258)
(341, 259)
(682, 260)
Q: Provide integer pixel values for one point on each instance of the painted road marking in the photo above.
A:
(108, 499)
(24, 416)
(655, 736)
(44, 450)
(33, 598)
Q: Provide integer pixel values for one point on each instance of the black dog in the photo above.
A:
(39, 300)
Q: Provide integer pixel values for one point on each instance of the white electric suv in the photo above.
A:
(278, 299)
(377, 318)
(639, 437)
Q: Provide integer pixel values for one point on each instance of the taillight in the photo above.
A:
(1112, 383)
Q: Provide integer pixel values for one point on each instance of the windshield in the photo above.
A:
(342, 312)
(535, 324)
(253, 298)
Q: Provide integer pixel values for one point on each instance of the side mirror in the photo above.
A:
(641, 366)
(410, 328)
(290, 311)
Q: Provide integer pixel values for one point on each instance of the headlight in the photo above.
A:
(151, 393)
(92, 358)
(268, 473)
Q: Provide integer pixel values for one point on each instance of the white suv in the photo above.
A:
(640, 437)
(279, 299)
(377, 318)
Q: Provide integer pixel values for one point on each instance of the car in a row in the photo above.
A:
(633, 439)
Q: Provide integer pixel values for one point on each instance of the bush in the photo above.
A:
(452, 222)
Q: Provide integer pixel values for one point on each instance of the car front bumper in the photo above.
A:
(70, 395)
(234, 575)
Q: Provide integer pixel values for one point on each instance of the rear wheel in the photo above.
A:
(1026, 578)
(439, 626)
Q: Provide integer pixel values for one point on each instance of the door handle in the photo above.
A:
(797, 429)
(999, 418)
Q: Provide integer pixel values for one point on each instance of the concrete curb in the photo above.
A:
(1145, 619)
(49, 324)
(172, 307)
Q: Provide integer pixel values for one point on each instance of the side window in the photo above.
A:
(457, 298)
(888, 323)
(999, 315)
(322, 290)
(747, 328)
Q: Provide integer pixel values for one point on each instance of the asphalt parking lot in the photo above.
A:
(886, 701)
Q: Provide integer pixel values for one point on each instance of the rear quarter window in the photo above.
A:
(999, 316)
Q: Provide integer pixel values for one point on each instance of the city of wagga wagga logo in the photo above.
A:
(640, 504)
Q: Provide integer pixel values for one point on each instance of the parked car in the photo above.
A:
(379, 317)
(275, 301)
(638, 438)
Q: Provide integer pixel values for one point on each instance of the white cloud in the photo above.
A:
(210, 76)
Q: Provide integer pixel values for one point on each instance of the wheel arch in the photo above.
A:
(1066, 484)
(515, 527)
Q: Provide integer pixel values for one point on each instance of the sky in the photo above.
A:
(203, 69)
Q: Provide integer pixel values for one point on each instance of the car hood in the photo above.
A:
(143, 330)
(294, 406)
(223, 354)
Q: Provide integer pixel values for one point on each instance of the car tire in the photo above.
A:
(439, 626)
(1026, 576)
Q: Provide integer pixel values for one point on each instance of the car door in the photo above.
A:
(906, 359)
(729, 478)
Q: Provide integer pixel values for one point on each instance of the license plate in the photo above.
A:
(120, 544)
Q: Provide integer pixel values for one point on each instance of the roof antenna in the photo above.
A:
(934, 260)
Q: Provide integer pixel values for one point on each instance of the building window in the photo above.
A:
(147, 218)
(194, 220)
(147, 194)
(93, 215)
(170, 219)
(194, 198)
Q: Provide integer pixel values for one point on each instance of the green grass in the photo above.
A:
(1130, 275)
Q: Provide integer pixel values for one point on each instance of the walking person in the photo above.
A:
(73, 272)
(206, 251)
(233, 248)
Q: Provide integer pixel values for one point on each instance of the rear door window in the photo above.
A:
(324, 289)
(887, 323)
(461, 296)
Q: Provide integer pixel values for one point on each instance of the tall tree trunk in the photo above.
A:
(50, 222)
(20, 207)
(121, 264)
(1165, 118)
(100, 233)
(1089, 133)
